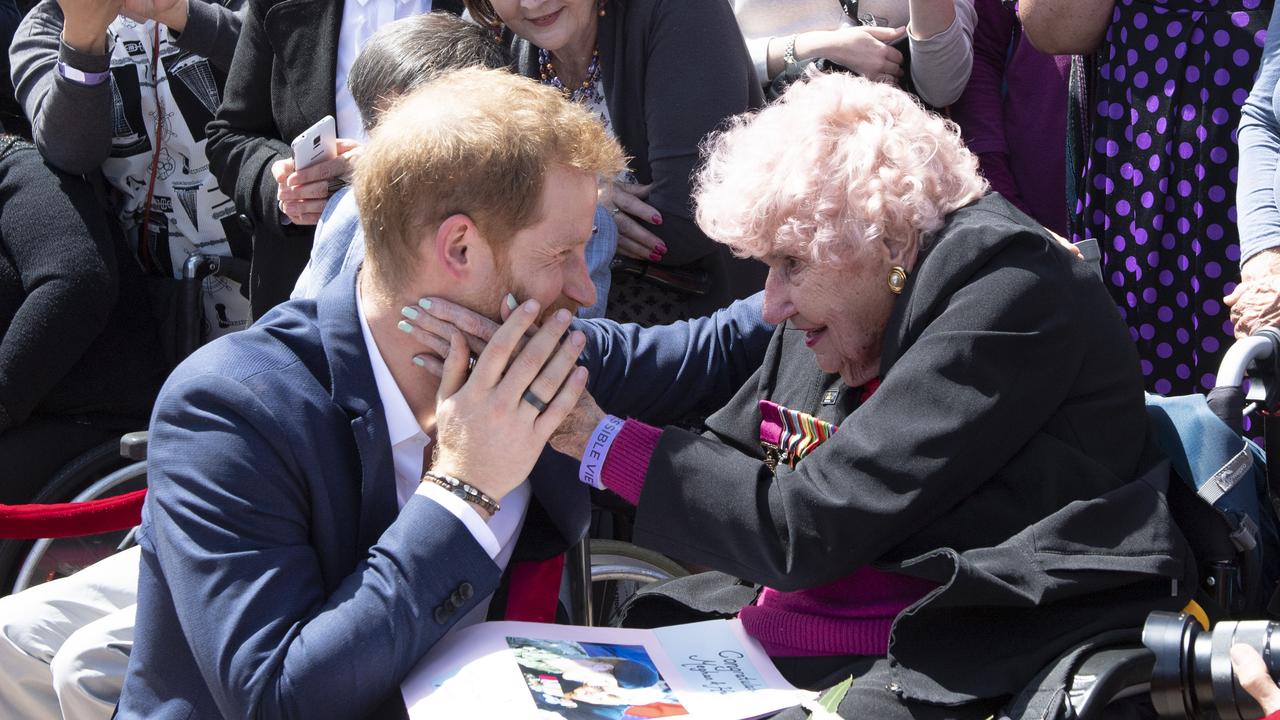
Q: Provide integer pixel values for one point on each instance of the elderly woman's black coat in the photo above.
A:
(1000, 457)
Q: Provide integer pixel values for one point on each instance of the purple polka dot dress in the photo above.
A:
(1159, 180)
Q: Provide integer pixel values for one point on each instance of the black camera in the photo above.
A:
(1192, 677)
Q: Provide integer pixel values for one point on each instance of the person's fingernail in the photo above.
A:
(530, 307)
(511, 301)
(577, 339)
(657, 219)
(662, 248)
(655, 256)
(406, 327)
(409, 312)
(419, 361)
(425, 303)
(562, 315)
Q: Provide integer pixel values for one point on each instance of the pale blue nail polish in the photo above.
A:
(405, 326)
(419, 361)
(425, 303)
(409, 312)
(511, 301)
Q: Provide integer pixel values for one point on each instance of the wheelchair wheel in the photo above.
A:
(99, 473)
(618, 570)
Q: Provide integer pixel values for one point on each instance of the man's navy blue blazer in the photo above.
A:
(278, 578)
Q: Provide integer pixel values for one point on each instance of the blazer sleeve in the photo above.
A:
(213, 28)
(1259, 151)
(243, 136)
(666, 373)
(229, 524)
(698, 76)
(981, 379)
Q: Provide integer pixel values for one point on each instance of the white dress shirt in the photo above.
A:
(408, 442)
(360, 19)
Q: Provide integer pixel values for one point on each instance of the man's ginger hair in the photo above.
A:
(475, 142)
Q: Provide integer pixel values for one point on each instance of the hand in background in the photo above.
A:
(170, 13)
(629, 207)
(303, 194)
(84, 25)
(1252, 673)
(487, 432)
(1255, 302)
(865, 50)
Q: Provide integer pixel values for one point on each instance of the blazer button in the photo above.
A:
(442, 614)
(465, 591)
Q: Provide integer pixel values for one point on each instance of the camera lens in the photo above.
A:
(1192, 676)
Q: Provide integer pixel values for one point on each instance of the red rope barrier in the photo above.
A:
(28, 522)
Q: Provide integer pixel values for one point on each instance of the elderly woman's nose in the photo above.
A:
(777, 299)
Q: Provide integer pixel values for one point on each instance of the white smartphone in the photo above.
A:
(316, 144)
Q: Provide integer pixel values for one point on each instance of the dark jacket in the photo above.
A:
(674, 70)
(1000, 457)
(77, 336)
(280, 83)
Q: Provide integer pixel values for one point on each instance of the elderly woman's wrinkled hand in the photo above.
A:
(629, 208)
(1252, 673)
(493, 422)
(1255, 302)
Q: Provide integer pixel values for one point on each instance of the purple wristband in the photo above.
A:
(598, 444)
(80, 77)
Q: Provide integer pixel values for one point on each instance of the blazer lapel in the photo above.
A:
(305, 36)
(355, 390)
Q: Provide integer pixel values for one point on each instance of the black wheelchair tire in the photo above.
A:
(69, 482)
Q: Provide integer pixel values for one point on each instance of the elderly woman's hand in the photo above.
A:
(435, 321)
(1252, 673)
(1255, 302)
(492, 423)
(634, 240)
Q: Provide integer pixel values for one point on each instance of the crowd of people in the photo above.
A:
(833, 235)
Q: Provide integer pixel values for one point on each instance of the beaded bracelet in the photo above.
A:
(789, 51)
(463, 490)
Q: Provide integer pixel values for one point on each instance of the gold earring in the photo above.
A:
(897, 279)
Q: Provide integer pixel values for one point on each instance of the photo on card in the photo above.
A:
(588, 681)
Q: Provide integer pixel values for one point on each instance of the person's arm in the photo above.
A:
(680, 113)
(1256, 301)
(54, 232)
(976, 385)
(941, 37)
(228, 507)
(1065, 27)
(211, 31)
(68, 117)
(979, 111)
(243, 138)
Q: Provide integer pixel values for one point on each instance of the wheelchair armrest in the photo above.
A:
(1104, 674)
(133, 446)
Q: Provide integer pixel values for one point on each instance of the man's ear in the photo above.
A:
(456, 247)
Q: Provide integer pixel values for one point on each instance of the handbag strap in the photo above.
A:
(850, 8)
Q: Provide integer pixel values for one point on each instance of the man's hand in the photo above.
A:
(1252, 673)
(1255, 302)
(84, 25)
(434, 324)
(488, 433)
(302, 194)
(170, 13)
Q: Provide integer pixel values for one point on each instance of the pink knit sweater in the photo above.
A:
(851, 616)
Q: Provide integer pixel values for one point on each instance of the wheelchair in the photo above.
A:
(115, 467)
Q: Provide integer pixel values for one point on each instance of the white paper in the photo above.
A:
(532, 670)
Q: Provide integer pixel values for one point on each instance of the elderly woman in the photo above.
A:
(937, 472)
(661, 75)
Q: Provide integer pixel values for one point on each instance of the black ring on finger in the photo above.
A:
(534, 400)
(471, 362)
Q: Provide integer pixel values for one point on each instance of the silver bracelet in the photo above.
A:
(789, 52)
(464, 490)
